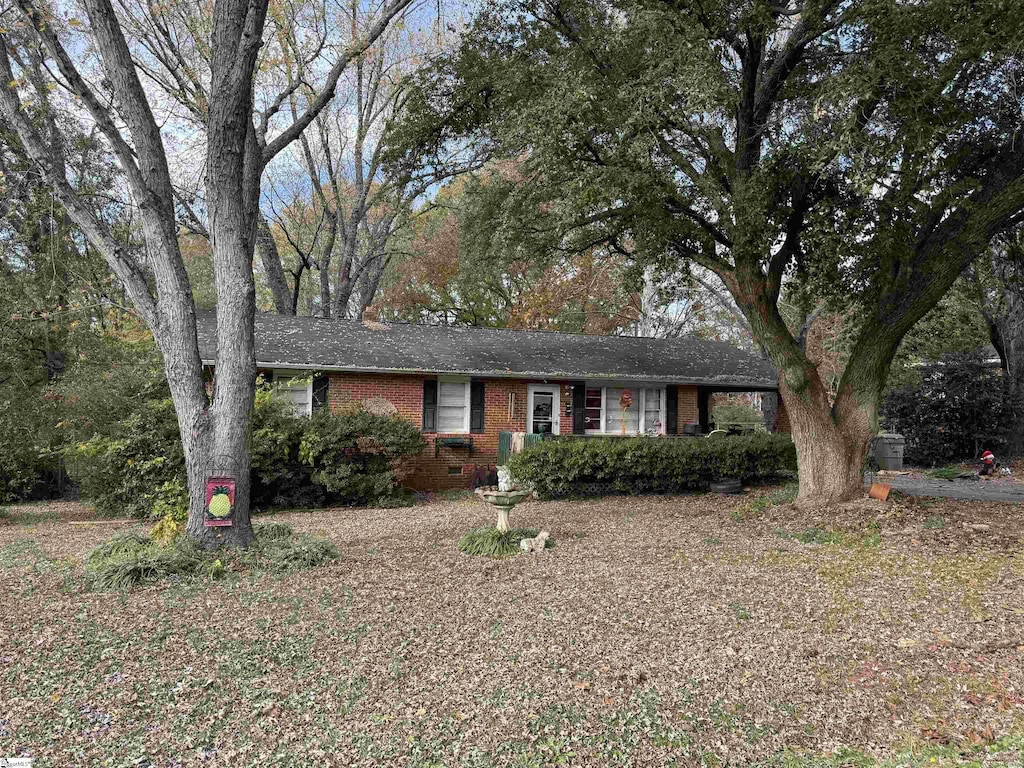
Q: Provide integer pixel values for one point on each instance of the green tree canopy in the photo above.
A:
(867, 150)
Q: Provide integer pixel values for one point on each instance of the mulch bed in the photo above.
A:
(688, 629)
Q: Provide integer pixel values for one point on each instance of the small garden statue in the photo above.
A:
(536, 544)
(504, 479)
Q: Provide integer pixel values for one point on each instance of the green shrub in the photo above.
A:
(957, 410)
(140, 464)
(26, 443)
(360, 457)
(494, 543)
(571, 466)
(280, 478)
(269, 531)
(118, 546)
(136, 468)
(735, 413)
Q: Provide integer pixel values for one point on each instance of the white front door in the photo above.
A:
(542, 409)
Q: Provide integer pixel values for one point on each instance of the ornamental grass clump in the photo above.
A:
(131, 559)
(494, 543)
(277, 548)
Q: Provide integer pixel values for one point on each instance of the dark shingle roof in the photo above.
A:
(347, 345)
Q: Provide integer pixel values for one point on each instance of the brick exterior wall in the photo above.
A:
(453, 467)
(687, 407)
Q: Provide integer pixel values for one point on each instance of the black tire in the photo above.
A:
(727, 486)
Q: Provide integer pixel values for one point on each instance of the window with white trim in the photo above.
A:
(653, 416)
(622, 410)
(640, 409)
(453, 405)
(296, 390)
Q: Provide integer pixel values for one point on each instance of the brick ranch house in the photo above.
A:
(462, 386)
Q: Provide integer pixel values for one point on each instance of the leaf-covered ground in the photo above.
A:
(659, 631)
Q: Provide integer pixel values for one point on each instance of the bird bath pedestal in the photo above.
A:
(503, 501)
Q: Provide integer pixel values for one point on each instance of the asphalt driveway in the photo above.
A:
(970, 490)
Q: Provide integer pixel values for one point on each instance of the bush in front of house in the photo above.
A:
(280, 478)
(574, 467)
(360, 457)
(136, 468)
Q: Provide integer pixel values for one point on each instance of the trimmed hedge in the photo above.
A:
(565, 467)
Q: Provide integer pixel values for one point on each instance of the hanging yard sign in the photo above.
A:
(220, 501)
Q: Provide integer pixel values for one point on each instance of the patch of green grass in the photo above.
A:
(20, 552)
(945, 473)
(811, 536)
(28, 516)
(131, 559)
(935, 522)
(740, 611)
(785, 495)
(491, 542)
(819, 536)
(927, 756)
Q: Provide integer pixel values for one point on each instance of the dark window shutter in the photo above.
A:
(579, 407)
(268, 376)
(476, 406)
(430, 405)
(672, 410)
(321, 387)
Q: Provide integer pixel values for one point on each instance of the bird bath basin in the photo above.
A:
(503, 501)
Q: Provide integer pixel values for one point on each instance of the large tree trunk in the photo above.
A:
(831, 443)
(234, 165)
(831, 438)
(1006, 330)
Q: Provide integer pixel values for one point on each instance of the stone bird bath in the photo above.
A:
(503, 501)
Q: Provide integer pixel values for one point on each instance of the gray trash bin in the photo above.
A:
(889, 450)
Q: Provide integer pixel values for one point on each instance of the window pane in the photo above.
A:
(451, 418)
(294, 391)
(452, 393)
(592, 411)
(451, 406)
(543, 412)
(652, 412)
(617, 416)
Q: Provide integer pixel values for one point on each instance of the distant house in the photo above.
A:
(463, 386)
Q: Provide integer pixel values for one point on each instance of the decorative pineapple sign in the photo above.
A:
(220, 501)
